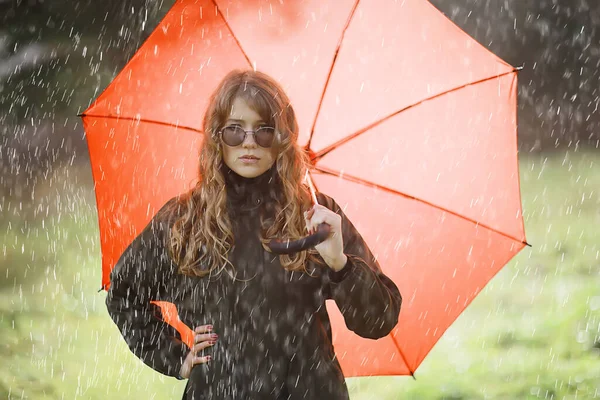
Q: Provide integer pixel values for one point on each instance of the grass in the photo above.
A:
(533, 332)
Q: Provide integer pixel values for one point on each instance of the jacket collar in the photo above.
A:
(247, 194)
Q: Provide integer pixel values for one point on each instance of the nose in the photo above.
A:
(249, 141)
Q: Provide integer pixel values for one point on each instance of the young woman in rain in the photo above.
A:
(262, 329)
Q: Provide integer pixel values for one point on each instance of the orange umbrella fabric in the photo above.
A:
(410, 123)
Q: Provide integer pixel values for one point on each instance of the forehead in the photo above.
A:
(241, 110)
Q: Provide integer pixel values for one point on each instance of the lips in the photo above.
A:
(249, 158)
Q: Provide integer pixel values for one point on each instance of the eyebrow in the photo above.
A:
(260, 121)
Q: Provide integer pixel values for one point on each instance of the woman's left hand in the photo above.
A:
(332, 248)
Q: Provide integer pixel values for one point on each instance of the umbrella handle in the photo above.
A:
(279, 246)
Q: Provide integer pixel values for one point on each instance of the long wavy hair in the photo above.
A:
(201, 236)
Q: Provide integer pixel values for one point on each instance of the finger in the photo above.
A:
(206, 336)
(316, 219)
(308, 214)
(328, 217)
(202, 346)
(307, 223)
(314, 225)
(203, 329)
(201, 360)
(317, 215)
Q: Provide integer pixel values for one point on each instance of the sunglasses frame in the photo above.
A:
(246, 133)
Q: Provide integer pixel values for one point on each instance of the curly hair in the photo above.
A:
(201, 235)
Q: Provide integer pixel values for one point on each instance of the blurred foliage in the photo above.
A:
(532, 333)
(557, 42)
(56, 56)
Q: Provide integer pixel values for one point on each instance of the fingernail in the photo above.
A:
(214, 336)
(208, 358)
(212, 342)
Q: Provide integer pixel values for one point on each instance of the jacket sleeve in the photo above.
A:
(369, 301)
(140, 276)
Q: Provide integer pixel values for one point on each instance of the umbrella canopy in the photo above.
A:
(410, 124)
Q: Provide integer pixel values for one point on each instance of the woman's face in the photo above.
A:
(247, 159)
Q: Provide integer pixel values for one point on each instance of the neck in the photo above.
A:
(232, 178)
(248, 193)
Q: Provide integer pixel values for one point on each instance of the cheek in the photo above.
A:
(227, 155)
(274, 153)
(272, 157)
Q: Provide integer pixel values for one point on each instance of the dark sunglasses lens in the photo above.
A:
(233, 135)
(265, 136)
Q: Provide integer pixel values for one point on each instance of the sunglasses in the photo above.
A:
(234, 135)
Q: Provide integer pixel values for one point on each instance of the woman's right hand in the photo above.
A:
(204, 338)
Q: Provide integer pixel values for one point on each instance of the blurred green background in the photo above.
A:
(533, 332)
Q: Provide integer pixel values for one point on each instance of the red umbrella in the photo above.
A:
(410, 123)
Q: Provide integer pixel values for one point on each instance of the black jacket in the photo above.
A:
(274, 331)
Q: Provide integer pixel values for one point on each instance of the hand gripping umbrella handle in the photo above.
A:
(293, 246)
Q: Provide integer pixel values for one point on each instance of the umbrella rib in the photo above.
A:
(363, 182)
(335, 145)
(335, 56)
(233, 35)
(167, 124)
(412, 373)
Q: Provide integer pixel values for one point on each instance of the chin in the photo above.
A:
(248, 174)
(249, 171)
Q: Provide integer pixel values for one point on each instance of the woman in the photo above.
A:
(262, 328)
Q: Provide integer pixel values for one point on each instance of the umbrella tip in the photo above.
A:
(413, 375)
(527, 244)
